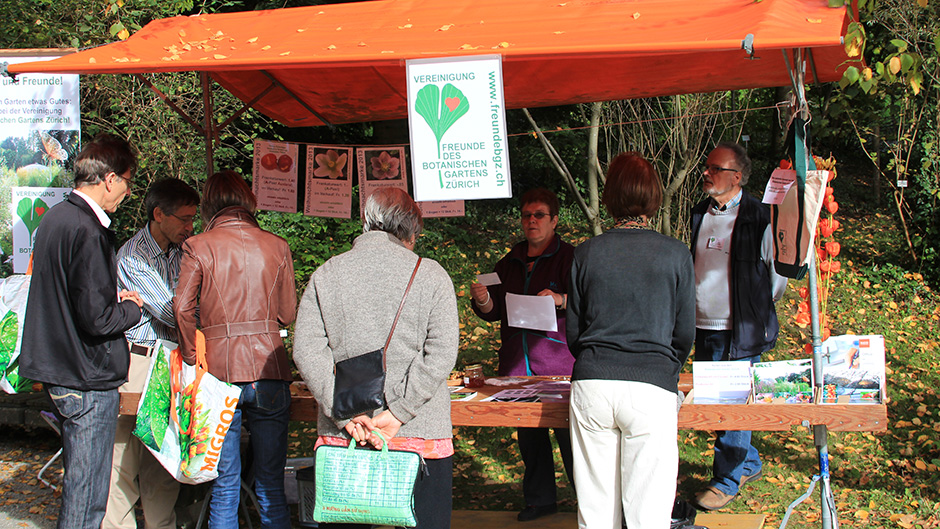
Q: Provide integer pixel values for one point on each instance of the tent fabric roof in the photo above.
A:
(345, 63)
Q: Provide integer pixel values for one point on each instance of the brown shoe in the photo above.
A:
(753, 477)
(713, 499)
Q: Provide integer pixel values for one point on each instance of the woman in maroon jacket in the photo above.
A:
(241, 279)
(537, 266)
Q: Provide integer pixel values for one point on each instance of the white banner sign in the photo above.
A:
(38, 101)
(457, 122)
(40, 129)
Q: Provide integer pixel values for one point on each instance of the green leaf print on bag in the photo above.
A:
(9, 327)
(154, 415)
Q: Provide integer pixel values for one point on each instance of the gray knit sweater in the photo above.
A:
(631, 308)
(347, 310)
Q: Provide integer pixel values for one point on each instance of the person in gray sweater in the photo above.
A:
(630, 327)
(347, 310)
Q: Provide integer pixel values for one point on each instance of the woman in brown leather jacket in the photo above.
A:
(241, 279)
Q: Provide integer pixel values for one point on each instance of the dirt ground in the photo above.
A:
(25, 502)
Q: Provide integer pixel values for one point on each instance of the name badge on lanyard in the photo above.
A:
(715, 243)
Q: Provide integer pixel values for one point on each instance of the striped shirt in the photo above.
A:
(144, 267)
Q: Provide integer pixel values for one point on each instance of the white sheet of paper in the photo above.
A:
(721, 382)
(488, 279)
(531, 312)
(778, 185)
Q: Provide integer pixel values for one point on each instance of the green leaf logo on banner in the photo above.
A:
(441, 109)
(31, 213)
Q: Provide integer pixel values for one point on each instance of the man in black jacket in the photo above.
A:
(73, 334)
(735, 291)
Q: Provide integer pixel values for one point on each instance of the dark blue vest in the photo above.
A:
(753, 316)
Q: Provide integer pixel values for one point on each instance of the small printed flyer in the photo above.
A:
(457, 124)
(380, 167)
(778, 185)
(275, 176)
(721, 382)
(442, 208)
(329, 182)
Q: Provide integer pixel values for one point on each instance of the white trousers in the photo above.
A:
(625, 453)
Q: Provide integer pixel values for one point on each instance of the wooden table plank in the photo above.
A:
(756, 417)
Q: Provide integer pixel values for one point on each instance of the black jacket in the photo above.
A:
(753, 316)
(73, 334)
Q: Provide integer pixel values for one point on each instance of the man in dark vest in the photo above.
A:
(73, 334)
(735, 291)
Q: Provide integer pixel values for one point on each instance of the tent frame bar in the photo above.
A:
(294, 96)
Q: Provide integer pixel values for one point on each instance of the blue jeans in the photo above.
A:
(735, 456)
(88, 421)
(265, 407)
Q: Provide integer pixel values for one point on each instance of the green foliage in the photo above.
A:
(312, 240)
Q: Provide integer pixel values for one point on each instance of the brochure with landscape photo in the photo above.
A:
(783, 382)
(853, 369)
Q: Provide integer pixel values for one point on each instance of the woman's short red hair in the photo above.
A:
(633, 187)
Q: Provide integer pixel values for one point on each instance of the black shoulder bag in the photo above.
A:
(359, 382)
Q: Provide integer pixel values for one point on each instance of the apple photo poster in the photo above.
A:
(457, 124)
(274, 182)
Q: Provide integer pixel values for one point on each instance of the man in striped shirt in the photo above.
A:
(150, 264)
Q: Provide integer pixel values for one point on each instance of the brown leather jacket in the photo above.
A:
(242, 280)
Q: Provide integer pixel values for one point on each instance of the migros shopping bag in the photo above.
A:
(184, 413)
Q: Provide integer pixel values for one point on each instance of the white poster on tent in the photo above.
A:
(329, 181)
(442, 208)
(41, 134)
(274, 182)
(27, 206)
(457, 123)
(380, 167)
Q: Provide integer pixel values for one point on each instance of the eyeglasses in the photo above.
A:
(188, 219)
(539, 215)
(126, 180)
(716, 169)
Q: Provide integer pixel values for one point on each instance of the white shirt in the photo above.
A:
(102, 216)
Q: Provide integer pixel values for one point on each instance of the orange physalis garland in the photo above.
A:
(827, 250)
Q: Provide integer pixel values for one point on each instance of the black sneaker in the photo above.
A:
(683, 515)
(532, 512)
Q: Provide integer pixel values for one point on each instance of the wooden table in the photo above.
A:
(755, 417)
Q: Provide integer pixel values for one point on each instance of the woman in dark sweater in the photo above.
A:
(630, 326)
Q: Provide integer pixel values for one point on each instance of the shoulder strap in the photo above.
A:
(397, 314)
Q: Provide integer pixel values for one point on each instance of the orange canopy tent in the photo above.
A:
(345, 63)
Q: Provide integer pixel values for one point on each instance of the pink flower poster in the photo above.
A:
(329, 182)
(380, 167)
(275, 175)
